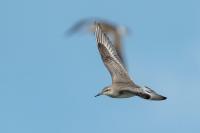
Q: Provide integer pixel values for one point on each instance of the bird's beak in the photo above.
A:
(99, 94)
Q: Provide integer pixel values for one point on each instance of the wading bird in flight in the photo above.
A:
(122, 85)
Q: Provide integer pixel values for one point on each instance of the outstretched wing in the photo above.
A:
(106, 27)
(147, 93)
(110, 57)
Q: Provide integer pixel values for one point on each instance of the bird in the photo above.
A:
(116, 32)
(122, 85)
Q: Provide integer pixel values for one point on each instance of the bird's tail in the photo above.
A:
(148, 93)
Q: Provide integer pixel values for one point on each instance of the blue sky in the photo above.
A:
(48, 81)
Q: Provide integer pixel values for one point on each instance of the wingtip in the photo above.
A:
(98, 25)
(164, 98)
(98, 32)
(159, 97)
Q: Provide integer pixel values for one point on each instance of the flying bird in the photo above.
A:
(116, 32)
(122, 85)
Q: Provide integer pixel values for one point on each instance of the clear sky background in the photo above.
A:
(48, 81)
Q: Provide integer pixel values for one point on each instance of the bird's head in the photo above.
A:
(105, 91)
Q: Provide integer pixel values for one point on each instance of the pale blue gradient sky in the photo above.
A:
(48, 82)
